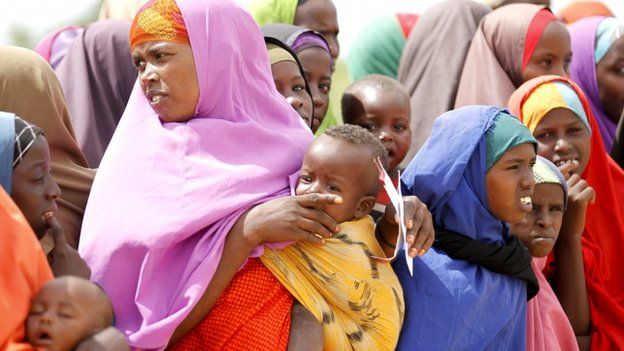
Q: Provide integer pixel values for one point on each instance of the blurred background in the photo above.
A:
(26, 22)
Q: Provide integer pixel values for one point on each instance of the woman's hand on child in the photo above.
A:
(419, 223)
(580, 194)
(109, 339)
(65, 260)
(292, 218)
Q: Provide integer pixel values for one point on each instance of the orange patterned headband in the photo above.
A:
(158, 20)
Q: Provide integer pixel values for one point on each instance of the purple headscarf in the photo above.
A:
(167, 194)
(97, 86)
(583, 72)
(54, 46)
(310, 39)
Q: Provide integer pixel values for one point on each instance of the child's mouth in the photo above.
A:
(526, 203)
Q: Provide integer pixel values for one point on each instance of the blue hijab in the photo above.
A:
(452, 304)
(7, 141)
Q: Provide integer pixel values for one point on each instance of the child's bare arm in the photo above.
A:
(306, 333)
(569, 276)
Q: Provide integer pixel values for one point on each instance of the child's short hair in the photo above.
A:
(351, 105)
(357, 135)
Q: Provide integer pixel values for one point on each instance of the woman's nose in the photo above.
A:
(295, 102)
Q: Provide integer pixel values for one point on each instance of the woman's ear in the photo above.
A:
(365, 206)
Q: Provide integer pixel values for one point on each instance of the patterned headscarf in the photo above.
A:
(545, 172)
(550, 96)
(25, 135)
(609, 31)
(158, 20)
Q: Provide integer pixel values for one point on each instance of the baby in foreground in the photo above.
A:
(66, 311)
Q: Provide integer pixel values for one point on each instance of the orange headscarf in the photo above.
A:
(23, 271)
(158, 20)
(581, 9)
(603, 237)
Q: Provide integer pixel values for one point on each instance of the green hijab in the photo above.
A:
(273, 11)
(505, 133)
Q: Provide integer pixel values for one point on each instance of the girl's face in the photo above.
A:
(562, 137)
(34, 190)
(552, 54)
(168, 78)
(316, 65)
(291, 85)
(510, 184)
(539, 229)
(610, 78)
(320, 16)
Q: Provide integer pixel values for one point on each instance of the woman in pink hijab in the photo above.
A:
(196, 177)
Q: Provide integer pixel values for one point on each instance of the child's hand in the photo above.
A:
(65, 260)
(420, 232)
(567, 168)
(109, 339)
(580, 194)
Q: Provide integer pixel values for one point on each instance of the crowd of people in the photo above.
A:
(201, 175)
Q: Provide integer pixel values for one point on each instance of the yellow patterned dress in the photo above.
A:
(355, 296)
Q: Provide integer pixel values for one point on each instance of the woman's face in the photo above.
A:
(562, 137)
(510, 184)
(320, 16)
(168, 78)
(291, 85)
(539, 229)
(316, 65)
(552, 54)
(610, 78)
(34, 190)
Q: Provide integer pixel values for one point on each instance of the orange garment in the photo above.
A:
(581, 9)
(158, 20)
(252, 313)
(23, 271)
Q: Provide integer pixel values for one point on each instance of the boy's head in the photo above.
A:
(381, 105)
(66, 311)
(33, 189)
(341, 162)
(540, 227)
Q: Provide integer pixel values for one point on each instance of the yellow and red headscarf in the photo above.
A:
(158, 20)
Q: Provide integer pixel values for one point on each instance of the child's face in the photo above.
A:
(611, 81)
(510, 184)
(316, 64)
(34, 190)
(552, 54)
(63, 314)
(540, 227)
(332, 166)
(562, 137)
(320, 16)
(387, 116)
(290, 83)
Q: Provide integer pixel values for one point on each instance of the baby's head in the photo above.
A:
(341, 162)
(381, 105)
(540, 228)
(66, 311)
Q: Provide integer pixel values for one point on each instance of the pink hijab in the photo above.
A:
(548, 327)
(166, 194)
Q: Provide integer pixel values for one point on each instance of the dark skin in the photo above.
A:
(565, 140)
(316, 64)
(610, 78)
(508, 181)
(386, 114)
(292, 218)
(35, 192)
(291, 84)
(552, 54)
(320, 16)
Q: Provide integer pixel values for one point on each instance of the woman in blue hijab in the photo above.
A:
(470, 292)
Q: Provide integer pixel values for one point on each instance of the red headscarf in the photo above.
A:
(534, 33)
(158, 20)
(603, 238)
